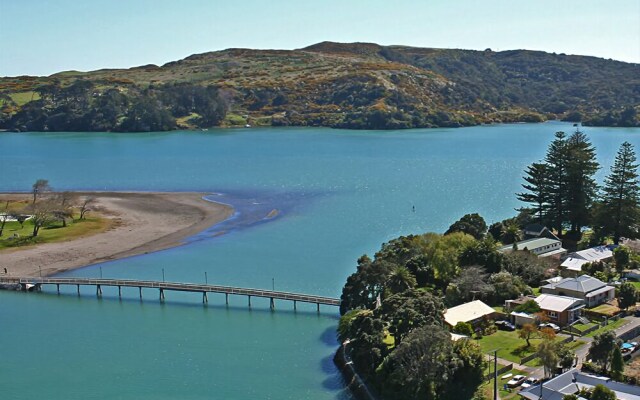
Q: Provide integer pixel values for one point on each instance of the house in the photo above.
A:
(574, 262)
(561, 310)
(510, 305)
(589, 289)
(521, 318)
(472, 313)
(542, 247)
(538, 231)
(572, 381)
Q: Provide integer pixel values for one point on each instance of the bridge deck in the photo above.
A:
(176, 286)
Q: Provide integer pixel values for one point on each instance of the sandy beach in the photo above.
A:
(141, 223)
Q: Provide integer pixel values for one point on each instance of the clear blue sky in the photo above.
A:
(41, 37)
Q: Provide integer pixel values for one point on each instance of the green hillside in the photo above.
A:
(358, 85)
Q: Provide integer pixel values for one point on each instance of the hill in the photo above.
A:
(356, 85)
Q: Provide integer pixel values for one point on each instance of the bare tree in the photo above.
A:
(4, 217)
(42, 214)
(64, 210)
(39, 187)
(85, 206)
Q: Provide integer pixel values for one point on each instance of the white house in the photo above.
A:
(574, 262)
(542, 247)
(472, 312)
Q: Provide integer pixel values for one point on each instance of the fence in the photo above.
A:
(501, 371)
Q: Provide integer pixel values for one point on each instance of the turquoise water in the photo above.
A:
(340, 193)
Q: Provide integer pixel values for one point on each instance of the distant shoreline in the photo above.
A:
(144, 222)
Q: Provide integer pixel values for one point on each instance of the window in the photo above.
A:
(552, 314)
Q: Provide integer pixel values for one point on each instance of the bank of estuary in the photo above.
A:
(141, 222)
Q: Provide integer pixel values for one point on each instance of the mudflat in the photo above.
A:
(142, 222)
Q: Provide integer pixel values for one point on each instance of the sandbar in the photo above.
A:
(142, 222)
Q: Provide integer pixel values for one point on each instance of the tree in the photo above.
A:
(570, 397)
(483, 253)
(557, 164)
(525, 265)
(581, 187)
(617, 365)
(365, 285)
(471, 284)
(619, 213)
(602, 348)
(511, 234)
(420, 367)
(538, 195)
(85, 205)
(622, 256)
(601, 392)
(626, 295)
(548, 354)
(469, 373)
(529, 307)
(400, 279)
(507, 286)
(42, 214)
(407, 311)
(367, 348)
(526, 332)
(566, 355)
(463, 328)
(472, 224)
(40, 186)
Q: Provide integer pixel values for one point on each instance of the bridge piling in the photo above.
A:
(226, 298)
(249, 301)
(58, 288)
(98, 291)
(271, 303)
(294, 306)
(205, 300)
(78, 289)
(140, 289)
(161, 295)
(318, 305)
(119, 292)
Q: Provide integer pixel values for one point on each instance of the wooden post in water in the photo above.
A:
(161, 295)
(98, 291)
(318, 305)
(249, 301)
(78, 289)
(294, 305)
(271, 303)
(58, 287)
(119, 291)
(204, 298)
(226, 298)
(140, 289)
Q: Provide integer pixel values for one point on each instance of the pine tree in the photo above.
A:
(538, 190)
(617, 365)
(557, 160)
(581, 188)
(620, 210)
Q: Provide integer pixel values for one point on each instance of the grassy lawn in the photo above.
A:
(499, 309)
(583, 327)
(509, 345)
(487, 387)
(536, 291)
(21, 98)
(611, 326)
(606, 309)
(52, 233)
(636, 284)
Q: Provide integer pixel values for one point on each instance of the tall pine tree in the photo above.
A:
(537, 187)
(557, 160)
(581, 188)
(619, 213)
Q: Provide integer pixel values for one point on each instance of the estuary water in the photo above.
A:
(339, 194)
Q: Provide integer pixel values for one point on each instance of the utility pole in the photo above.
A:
(273, 284)
(162, 274)
(206, 281)
(495, 375)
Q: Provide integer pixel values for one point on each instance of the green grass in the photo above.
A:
(636, 284)
(22, 98)
(610, 327)
(487, 387)
(52, 233)
(234, 120)
(536, 291)
(509, 345)
(605, 309)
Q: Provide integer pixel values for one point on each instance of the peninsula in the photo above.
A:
(140, 222)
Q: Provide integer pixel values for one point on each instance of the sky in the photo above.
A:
(42, 37)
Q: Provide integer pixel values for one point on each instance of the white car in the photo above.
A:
(555, 327)
(530, 382)
(516, 381)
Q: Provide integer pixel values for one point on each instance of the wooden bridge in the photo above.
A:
(31, 284)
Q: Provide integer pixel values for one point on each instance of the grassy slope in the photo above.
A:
(319, 84)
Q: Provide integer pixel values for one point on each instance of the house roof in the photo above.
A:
(582, 284)
(467, 312)
(599, 291)
(551, 302)
(593, 254)
(573, 264)
(534, 228)
(572, 381)
(530, 244)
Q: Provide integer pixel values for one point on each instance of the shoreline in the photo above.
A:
(142, 222)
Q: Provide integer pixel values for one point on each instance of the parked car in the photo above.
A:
(516, 381)
(555, 327)
(505, 325)
(530, 382)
